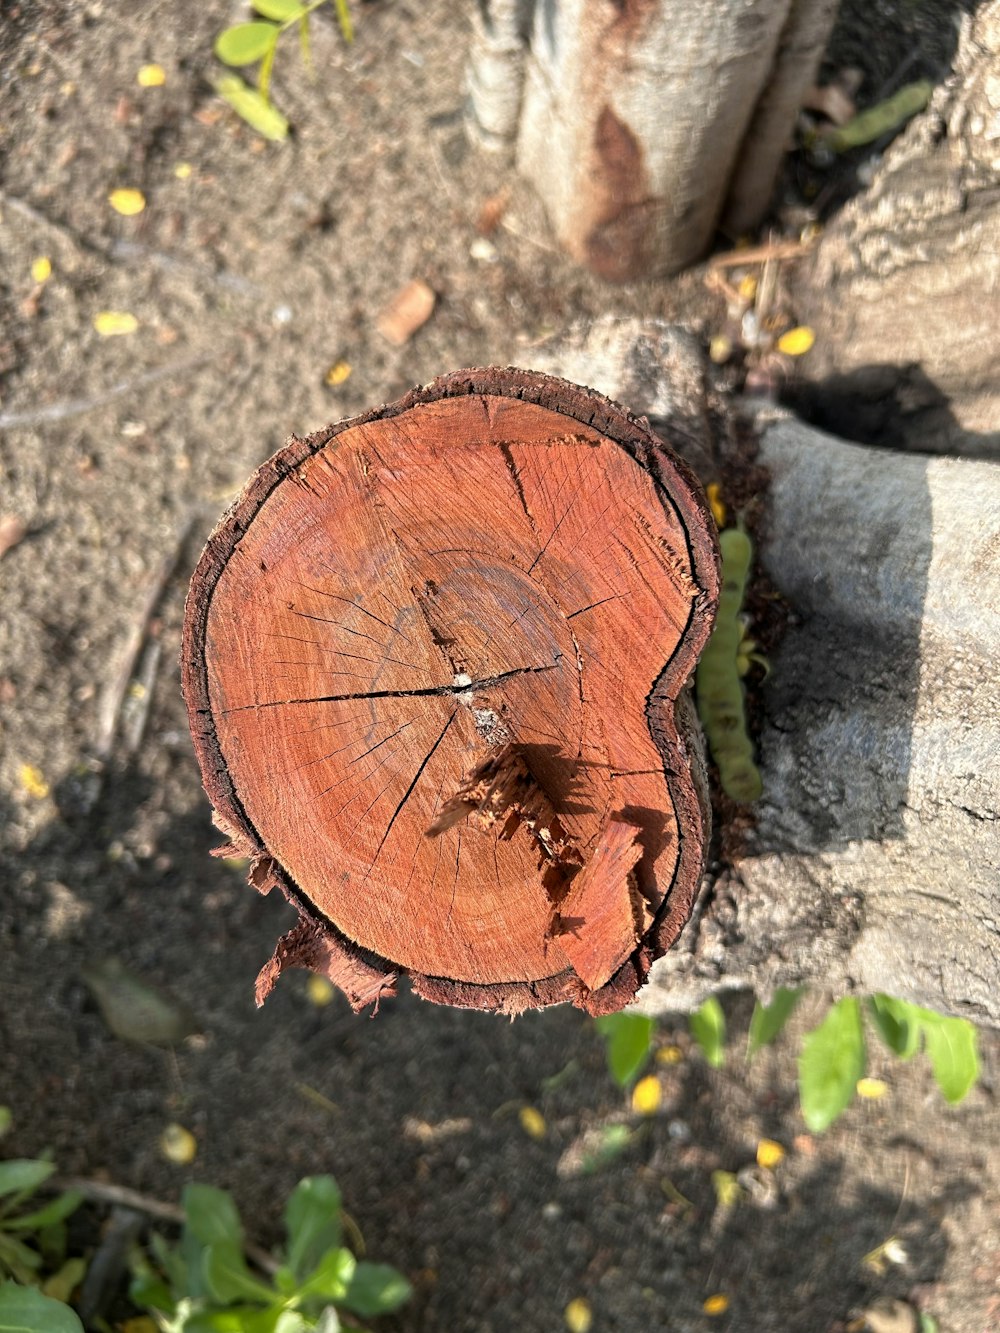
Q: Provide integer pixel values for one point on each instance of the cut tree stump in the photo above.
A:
(435, 662)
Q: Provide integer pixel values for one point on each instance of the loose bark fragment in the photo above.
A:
(433, 659)
(409, 309)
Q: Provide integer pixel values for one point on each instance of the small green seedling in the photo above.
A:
(834, 1057)
(206, 1284)
(36, 1277)
(247, 43)
(717, 679)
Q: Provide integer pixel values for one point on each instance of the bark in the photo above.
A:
(640, 119)
(435, 662)
(904, 288)
(873, 863)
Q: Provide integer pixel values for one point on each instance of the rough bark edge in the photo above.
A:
(316, 942)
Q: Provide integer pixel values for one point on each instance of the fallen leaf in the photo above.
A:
(796, 342)
(127, 202)
(178, 1145)
(670, 1055)
(713, 493)
(13, 529)
(491, 210)
(532, 1122)
(720, 349)
(319, 990)
(769, 1154)
(409, 309)
(872, 1088)
(747, 287)
(338, 373)
(728, 1190)
(33, 782)
(113, 323)
(578, 1315)
(41, 269)
(134, 1009)
(646, 1095)
(183, 170)
(888, 1315)
(151, 76)
(715, 1305)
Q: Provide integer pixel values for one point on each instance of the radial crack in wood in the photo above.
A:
(432, 661)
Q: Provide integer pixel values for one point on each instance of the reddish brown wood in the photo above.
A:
(431, 661)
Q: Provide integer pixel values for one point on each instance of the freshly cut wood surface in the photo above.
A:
(431, 658)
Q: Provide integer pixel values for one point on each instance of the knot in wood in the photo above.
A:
(432, 663)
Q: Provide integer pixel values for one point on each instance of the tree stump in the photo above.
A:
(435, 661)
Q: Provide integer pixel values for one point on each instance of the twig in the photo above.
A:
(74, 407)
(758, 254)
(98, 1191)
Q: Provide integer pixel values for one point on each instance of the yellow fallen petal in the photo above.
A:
(712, 490)
(113, 323)
(319, 990)
(578, 1315)
(728, 1190)
(646, 1095)
(720, 349)
(871, 1088)
(717, 1304)
(151, 76)
(532, 1122)
(33, 782)
(127, 202)
(796, 341)
(41, 269)
(183, 170)
(178, 1145)
(748, 287)
(769, 1154)
(338, 373)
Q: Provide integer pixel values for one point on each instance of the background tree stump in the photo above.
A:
(434, 662)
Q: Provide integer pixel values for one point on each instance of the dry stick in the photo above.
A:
(100, 1192)
(74, 407)
(757, 254)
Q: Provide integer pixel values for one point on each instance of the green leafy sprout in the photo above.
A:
(247, 43)
(833, 1056)
(205, 1284)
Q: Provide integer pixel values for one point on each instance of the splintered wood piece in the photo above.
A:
(432, 661)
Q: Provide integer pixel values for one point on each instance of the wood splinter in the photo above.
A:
(435, 662)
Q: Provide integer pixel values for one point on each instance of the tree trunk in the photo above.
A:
(873, 860)
(904, 288)
(644, 123)
(435, 663)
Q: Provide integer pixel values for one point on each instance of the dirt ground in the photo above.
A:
(251, 275)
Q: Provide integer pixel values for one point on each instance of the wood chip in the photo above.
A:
(408, 310)
(12, 530)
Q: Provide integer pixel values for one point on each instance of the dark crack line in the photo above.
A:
(409, 791)
(428, 691)
(552, 534)
(347, 602)
(615, 597)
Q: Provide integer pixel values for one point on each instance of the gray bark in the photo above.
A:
(874, 860)
(641, 118)
(904, 288)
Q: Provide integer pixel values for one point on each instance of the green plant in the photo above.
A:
(628, 1039)
(834, 1056)
(36, 1277)
(205, 1284)
(247, 43)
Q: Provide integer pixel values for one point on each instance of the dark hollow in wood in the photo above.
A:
(431, 661)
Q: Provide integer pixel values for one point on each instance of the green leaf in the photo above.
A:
(237, 1319)
(312, 1223)
(61, 1285)
(48, 1216)
(26, 1310)
(898, 1024)
(6, 1120)
(330, 1278)
(928, 1324)
(376, 1289)
(264, 77)
(19, 1261)
(628, 1038)
(830, 1064)
(769, 1019)
(282, 11)
(251, 107)
(229, 1279)
(149, 1293)
(23, 1175)
(607, 1143)
(345, 20)
(952, 1048)
(245, 42)
(211, 1215)
(708, 1027)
